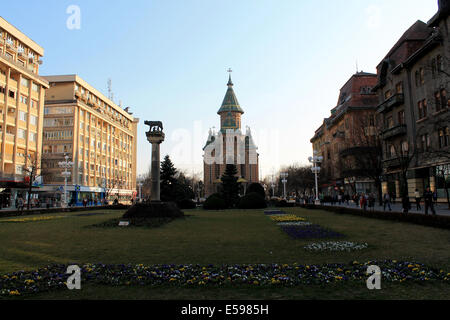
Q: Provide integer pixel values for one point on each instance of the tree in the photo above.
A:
(230, 186)
(362, 153)
(175, 185)
(256, 188)
(168, 180)
(31, 171)
(438, 151)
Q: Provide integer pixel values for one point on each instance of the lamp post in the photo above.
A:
(140, 190)
(273, 187)
(66, 174)
(316, 160)
(284, 176)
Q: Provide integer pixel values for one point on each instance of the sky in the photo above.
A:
(168, 61)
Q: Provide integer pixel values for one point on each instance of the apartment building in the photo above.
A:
(345, 139)
(97, 135)
(414, 108)
(22, 93)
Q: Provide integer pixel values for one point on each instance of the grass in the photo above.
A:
(220, 237)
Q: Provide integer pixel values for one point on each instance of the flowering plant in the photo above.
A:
(336, 246)
(297, 223)
(312, 231)
(287, 218)
(54, 277)
(33, 219)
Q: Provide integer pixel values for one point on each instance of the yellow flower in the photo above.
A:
(255, 282)
(14, 293)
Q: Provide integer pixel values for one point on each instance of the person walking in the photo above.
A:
(428, 199)
(406, 204)
(387, 201)
(417, 196)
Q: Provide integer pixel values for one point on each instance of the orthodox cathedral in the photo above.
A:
(230, 146)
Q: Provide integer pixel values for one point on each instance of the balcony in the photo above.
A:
(392, 102)
(390, 133)
(10, 137)
(394, 162)
(355, 150)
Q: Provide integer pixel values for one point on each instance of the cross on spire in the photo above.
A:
(230, 83)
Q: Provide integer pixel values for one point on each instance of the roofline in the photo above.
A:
(79, 80)
(21, 36)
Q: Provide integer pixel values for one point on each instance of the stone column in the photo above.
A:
(155, 195)
(155, 136)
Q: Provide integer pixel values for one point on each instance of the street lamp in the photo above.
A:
(316, 160)
(273, 187)
(284, 176)
(66, 174)
(140, 190)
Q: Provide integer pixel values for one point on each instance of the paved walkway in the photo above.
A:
(441, 209)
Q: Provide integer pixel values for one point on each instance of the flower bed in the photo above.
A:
(297, 223)
(274, 212)
(286, 218)
(336, 246)
(54, 277)
(312, 231)
(33, 219)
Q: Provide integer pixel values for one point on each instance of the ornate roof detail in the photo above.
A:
(230, 102)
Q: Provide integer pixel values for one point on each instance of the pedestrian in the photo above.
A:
(435, 197)
(428, 199)
(371, 202)
(363, 202)
(406, 204)
(387, 201)
(417, 196)
(20, 204)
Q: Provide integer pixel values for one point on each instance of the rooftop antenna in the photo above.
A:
(357, 69)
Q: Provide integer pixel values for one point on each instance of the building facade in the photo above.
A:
(413, 108)
(97, 135)
(22, 93)
(346, 137)
(230, 146)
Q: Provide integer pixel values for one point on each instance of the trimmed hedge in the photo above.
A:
(438, 221)
(256, 188)
(214, 202)
(252, 200)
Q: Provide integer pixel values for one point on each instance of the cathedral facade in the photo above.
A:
(230, 146)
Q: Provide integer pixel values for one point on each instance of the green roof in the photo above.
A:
(230, 102)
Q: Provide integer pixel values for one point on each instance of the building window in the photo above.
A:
(399, 88)
(25, 82)
(22, 116)
(389, 122)
(22, 134)
(35, 87)
(425, 142)
(440, 63)
(444, 101)
(387, 94)
(23, 99)
(12, 94)
(437, 100)
(422, 76)
(33, 120)
(401, 117)
(422, 108)
(32, 136)
(444, 137)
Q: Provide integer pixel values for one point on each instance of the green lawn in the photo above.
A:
(222, 237)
